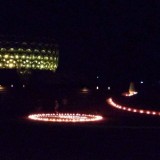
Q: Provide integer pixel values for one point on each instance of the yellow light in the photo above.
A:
(41, 66)
(28, 66)
(36, 50)
(27, 57)
(16, 56)
(11, 49)
(11, 65)
(28, 50)
(25, 60)
(43, 51)
(23, 57)
(6, 56)
(39, 57)
(46, 58)
(11, 56)
(20, 49)
(3, 49)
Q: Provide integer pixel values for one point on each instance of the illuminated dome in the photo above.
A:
(28, 55)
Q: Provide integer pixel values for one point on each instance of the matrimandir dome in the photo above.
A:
(28, 55)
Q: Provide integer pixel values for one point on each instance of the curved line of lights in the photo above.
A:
(130, 109)
(65, 117)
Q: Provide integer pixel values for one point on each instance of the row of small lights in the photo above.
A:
(22, 86)
(65, 117)
(97, 87)
(25, 56)
(39, 65)
(134, 110)
(26, 50)
(1, 86)
(108, 88)
(40, 62)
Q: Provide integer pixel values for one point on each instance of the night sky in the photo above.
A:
(113, 39)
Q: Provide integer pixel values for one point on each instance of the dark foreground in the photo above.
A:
(120, 136)
(33, 141)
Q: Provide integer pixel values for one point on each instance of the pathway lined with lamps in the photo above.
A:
(65, 117)
(130, 109)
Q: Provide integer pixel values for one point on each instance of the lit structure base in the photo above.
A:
(129, 94)
(65, 117)
(131, 109)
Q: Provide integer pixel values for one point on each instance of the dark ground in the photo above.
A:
(120, 136)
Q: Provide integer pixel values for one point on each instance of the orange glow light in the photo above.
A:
(129, 109)
(65, 117)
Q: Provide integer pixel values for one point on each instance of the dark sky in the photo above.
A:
(117, 39)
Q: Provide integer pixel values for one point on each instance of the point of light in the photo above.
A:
(2, 88)
(84, 90)
(11, 65)
(12, 85)
(141, 82)
(97, 88)
(129, 94)
(109, 88)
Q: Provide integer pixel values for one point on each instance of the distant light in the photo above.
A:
(97, 77)
(24, 86)
(141, 82)
(2, 88)
(97, 88)
(129, 94)
(84, 90)
(12, 85)
(109, 88)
